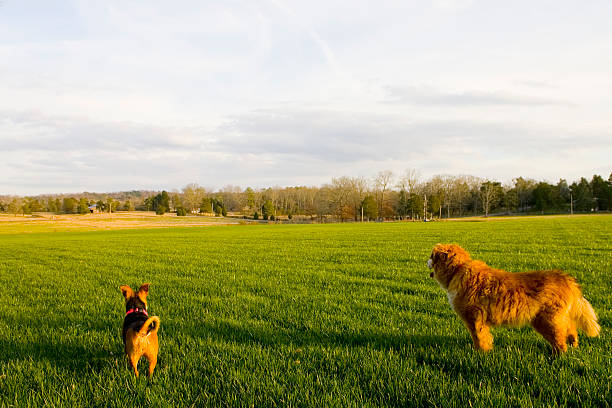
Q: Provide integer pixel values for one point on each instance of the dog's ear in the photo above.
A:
(438, 253)
(126, 291)
(143, 291)
(458, 254)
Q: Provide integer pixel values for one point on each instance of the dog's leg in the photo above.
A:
(554, 331)
(481, 335)
(484, 339)
(152, 362)
(572, 334)
(134, 363)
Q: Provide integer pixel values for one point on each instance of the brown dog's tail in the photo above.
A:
(583, 314)
(150, 326)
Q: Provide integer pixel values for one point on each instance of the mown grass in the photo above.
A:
(295, 315)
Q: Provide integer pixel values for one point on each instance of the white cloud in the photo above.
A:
(284, 147)
(120, 95)
(429, 96)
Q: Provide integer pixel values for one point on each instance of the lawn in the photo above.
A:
(336, 315)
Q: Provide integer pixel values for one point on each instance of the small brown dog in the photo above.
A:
(139, 330)
(551, 301)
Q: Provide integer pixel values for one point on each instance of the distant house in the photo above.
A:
(93, 208)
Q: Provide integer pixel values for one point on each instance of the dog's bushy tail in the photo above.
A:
(583, 314)
(150, 326)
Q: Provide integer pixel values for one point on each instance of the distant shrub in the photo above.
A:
(206, 206)
(223, 212)
(265, 217)
(272, 218)
(290, 216)
(256, 215)
(161, 210)
(181, 211)
(219, 209)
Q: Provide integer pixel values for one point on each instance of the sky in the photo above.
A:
(127, 95)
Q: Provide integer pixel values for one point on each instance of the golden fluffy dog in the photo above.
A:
(551, 301)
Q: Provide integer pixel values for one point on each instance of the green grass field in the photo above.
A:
(291, 315)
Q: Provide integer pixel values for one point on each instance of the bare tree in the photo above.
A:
(341, 197)
(382, 181)
(524, 190)
(436, 194)
(192, 196)
(461, 191)
(408, 181)
(447, 192)
(359, 187)
(473, 184)
(321, 201)
(489, 193)
(307, 198)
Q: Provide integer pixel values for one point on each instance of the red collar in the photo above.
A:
(137, 310)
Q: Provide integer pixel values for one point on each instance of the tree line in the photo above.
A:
(385, 196)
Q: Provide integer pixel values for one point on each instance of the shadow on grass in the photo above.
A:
(300, 337)
(71, 355)
(425, 348)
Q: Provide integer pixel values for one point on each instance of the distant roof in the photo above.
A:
(93, 206)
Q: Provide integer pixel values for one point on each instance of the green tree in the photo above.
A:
(69, 205)
(111, 204)
(206, 206)
(434, 204)
(164, 200)
(34, 204)
(416, 205)
(250, 197)
(370, 208)
(175, 201)
(218, 207)
(52, 206)
(562, 195)
(160, 200)
(509, 200)
(14, 207)
(148, 203)
(583, 195)
(602, 193)
(544, 196)
(403, 204)
(128, 206)
(25, 207)
(523, 188)
(83, 206)
(101, 206)
(267, 209)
